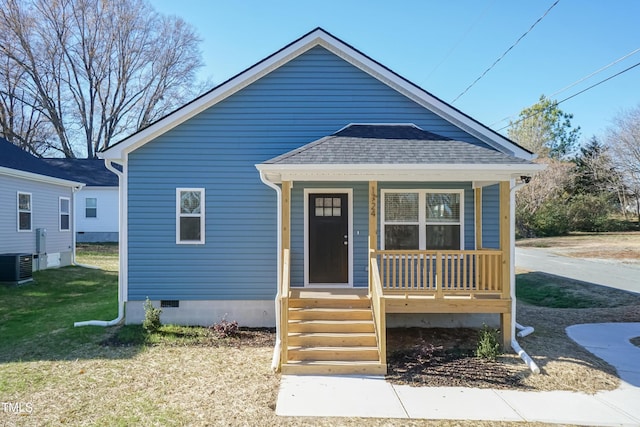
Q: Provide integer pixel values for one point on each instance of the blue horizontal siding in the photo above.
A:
(310, 97)
(491, 217)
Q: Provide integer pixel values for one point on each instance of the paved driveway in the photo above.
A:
(600, 272)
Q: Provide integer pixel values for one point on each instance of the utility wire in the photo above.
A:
(464, 36)
(506, 51)
(578, 81)
(572, 96)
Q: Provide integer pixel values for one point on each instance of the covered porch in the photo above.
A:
(398, 267)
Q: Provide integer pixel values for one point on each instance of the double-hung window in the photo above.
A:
(422, 219)
(91, 207)
(24, 211)
(190, 215)
(65, 213)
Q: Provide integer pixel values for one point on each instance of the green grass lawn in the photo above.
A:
(36, 319)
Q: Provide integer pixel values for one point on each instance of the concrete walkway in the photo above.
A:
(359, 396)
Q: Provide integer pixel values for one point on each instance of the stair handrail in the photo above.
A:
(378, 307)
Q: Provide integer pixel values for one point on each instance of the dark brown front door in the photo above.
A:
(328, 238)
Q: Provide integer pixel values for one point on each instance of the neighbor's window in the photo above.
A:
(422, 219)
(65, 214)
(190, 215)
(24, 211)
(91, 207)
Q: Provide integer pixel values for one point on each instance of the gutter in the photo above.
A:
(524, 330)
(275, 361)
(120, 317)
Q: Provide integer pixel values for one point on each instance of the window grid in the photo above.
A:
(423, 224)
(64, 210)
(91, 207)
(24, 205)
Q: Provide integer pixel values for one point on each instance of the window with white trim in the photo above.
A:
(24, 211)
(190, 215)
(65, 213)
(91, 207)
(422, 219)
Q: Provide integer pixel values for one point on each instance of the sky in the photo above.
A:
(443, 46)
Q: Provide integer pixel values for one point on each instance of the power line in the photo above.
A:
(464, 36)
(506, 51)
(572, 96)
(578, 81)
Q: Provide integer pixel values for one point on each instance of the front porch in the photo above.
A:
(343, 330)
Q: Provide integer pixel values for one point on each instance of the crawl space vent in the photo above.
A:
(169, 303)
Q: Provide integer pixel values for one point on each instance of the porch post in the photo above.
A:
(373, 225)
(478, 209)
(505, 248)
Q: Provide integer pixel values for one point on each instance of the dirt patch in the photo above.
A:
(446, 358)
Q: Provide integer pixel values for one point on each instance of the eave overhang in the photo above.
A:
(394, 172)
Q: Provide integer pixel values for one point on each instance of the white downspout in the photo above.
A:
(524, 330)
(275, 361)
(120, 317)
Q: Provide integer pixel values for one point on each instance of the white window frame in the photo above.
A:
(60, 213)
(86, 207)
(201, 215)
(19, 211)
(422, 214)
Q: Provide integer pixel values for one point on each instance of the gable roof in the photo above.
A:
(404, 144)
(317, 37)
(17, 162)
(92, 172)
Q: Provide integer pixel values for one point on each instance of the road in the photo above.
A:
(599, 272)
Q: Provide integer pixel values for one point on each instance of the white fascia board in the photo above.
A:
(391, 172)
(419, 95)
(39, 178)
(339, 48)
(217, 95)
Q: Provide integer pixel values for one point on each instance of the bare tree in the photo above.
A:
(96, 70)
(624, 140)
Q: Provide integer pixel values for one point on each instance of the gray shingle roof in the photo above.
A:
(92, 172)
(391, 144)
(14, 157)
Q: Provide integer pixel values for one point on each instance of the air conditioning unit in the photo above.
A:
(16, 269)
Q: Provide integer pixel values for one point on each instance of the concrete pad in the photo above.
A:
(564, 407)
(455, 403)
(610, 342)
(337, 396)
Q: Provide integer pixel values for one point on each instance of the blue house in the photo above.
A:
(322, 180)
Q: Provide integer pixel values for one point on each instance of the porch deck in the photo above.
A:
(343, 330)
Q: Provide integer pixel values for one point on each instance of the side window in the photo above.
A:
(190, 215)
(65, 214)
(90, 207)
(24, 211)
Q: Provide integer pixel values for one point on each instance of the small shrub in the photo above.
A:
(151, 321)
(488, 343)
(226, 329)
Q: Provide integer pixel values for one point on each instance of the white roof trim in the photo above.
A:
(39, 178)
(317, 37)
(397, 172)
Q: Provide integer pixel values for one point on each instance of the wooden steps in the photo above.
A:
(331, 334)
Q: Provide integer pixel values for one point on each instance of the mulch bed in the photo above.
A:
(443, 357)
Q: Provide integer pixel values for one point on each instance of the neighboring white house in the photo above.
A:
(36, 212)
(96, 207)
